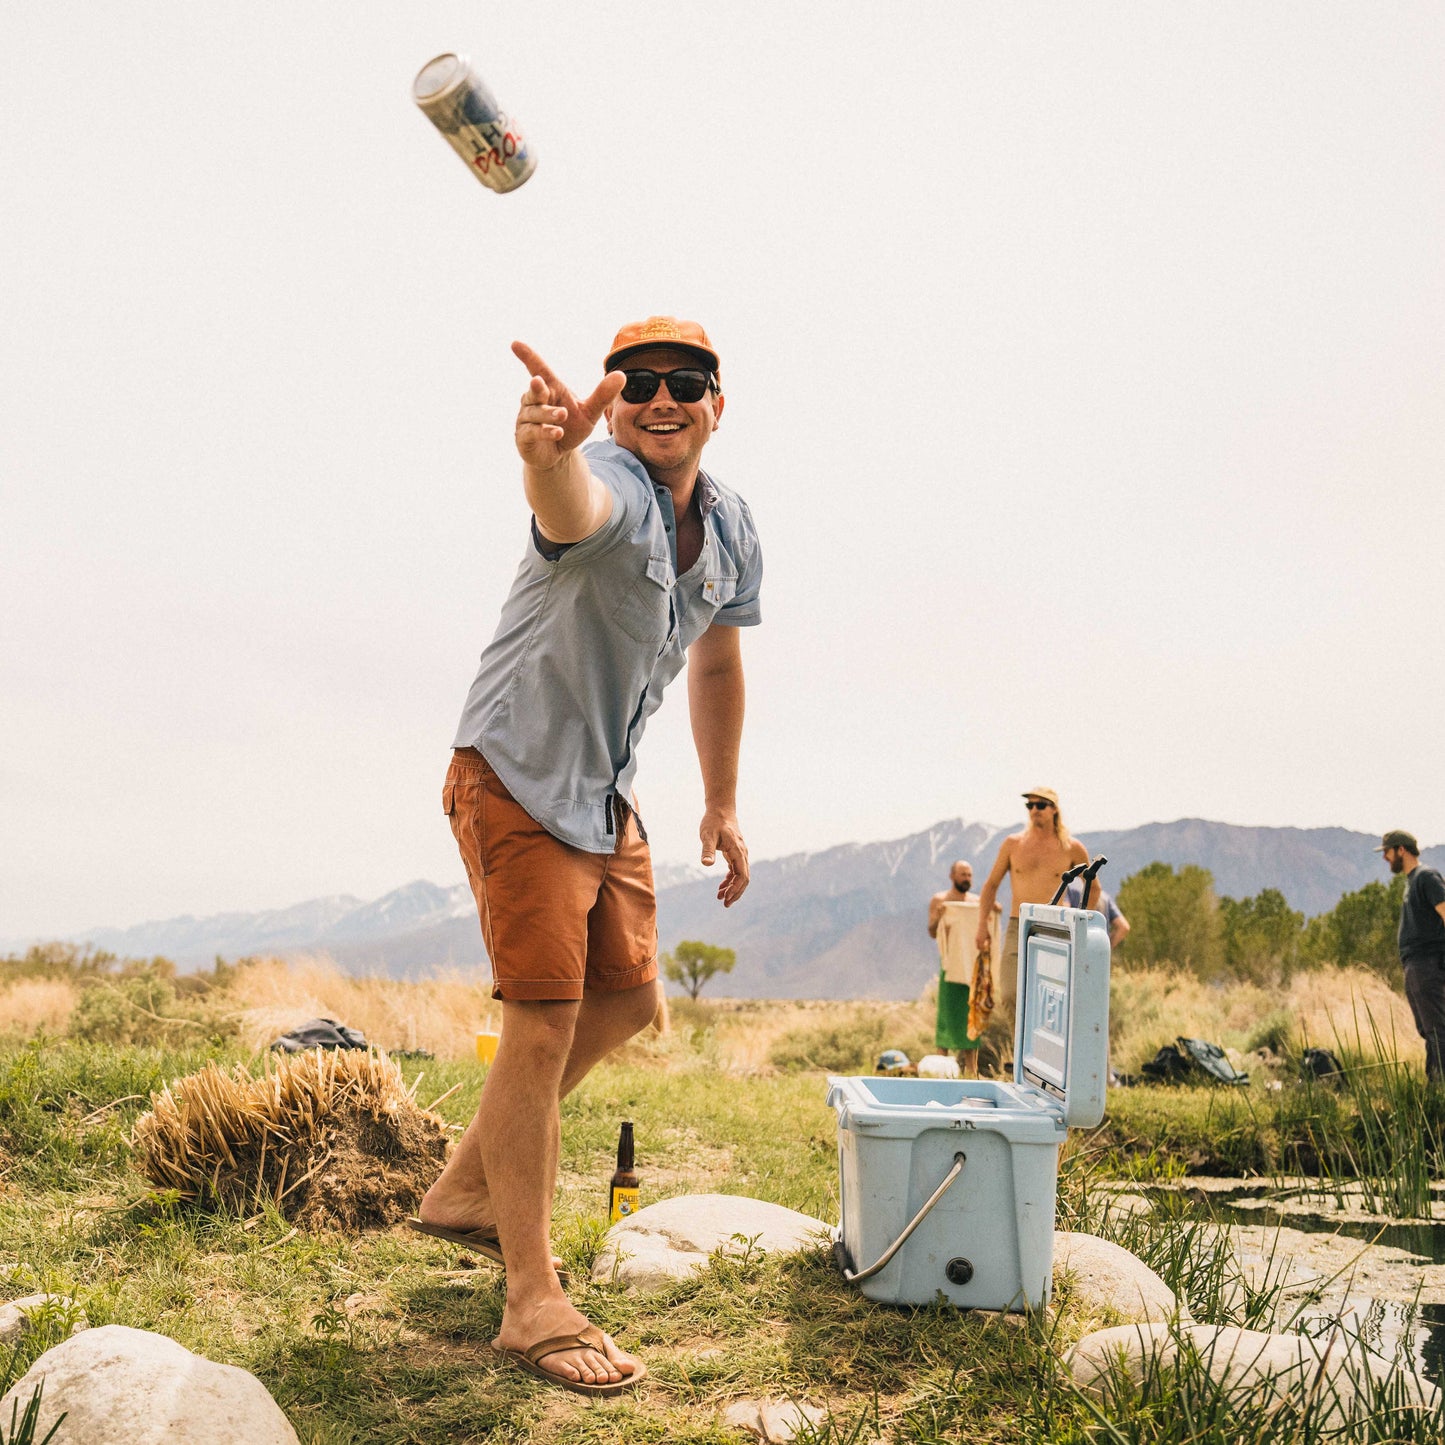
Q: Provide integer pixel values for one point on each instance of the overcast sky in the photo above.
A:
(1085, 370)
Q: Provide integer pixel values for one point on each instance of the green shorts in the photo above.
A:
(952, 1031)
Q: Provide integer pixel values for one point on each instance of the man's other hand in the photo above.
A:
(720, 834)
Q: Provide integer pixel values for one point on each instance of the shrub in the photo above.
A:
(1173, 917)
(841, 1047)
(1361, 928)
(142, 1007)
(1276, 1032)
(1261, 935)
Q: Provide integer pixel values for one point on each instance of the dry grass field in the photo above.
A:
(378, 1334)
(1150, 1006)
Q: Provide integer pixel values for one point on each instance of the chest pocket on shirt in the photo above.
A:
(719, 588)
(645, 612)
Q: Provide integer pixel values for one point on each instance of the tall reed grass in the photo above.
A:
(1153, 1005)
(1373, 1134)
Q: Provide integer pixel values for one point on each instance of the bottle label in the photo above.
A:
(625, 1202)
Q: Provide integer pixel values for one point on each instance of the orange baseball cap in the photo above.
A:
(661, 331)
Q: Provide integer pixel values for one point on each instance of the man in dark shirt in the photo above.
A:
(1422, 944)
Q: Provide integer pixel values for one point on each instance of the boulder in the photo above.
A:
(668, 1241)
(130, 1387)
(15, 1316)
(773, 1421)
(1108, 1278)
(1251, 1366)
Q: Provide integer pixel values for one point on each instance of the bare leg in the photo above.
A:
(968, 1063)
(460, 1199)
(506, 1162)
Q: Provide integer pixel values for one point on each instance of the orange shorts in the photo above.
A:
(556, 921)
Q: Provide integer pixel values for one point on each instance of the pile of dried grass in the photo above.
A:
(335, 1138)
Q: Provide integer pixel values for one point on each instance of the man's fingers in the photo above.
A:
(536, 411)
(736, 852)
(605, 394)
(536, 366)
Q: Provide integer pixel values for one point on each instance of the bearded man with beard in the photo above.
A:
(1422, 943)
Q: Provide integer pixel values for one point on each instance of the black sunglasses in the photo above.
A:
(686, 384)
(1035, 803)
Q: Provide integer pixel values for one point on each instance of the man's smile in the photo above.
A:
(662, 427)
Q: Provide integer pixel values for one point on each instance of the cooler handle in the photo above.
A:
(958, 1163)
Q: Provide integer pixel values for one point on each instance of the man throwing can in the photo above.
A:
(637, 563)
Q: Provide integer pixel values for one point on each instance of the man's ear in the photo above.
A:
(717, 409)
(607, 413)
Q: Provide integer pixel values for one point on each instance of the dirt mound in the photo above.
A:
(334, 1139)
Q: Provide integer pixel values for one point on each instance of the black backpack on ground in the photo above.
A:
(1321, 1064)
(1182, 1062)
(1168, 1066)
(320, 1034)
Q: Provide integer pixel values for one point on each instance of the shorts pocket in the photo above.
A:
(645, 612)
(449, 793)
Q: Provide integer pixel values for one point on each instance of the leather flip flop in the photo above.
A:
(591, 1338)
(484, 1242)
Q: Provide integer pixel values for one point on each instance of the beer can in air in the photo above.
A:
(462, 107)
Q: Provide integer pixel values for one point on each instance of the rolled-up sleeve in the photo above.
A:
(744, 609)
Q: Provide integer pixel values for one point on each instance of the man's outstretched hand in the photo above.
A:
(720, 834)
(551, 421)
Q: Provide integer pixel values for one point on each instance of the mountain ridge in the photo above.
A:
(846, 921)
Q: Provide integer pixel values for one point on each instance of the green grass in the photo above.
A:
(1380, 1128)
(381, 1338)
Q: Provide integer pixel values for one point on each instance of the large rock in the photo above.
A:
(668, 1241)
(130, 1387)
(16, 1317)
(1107, 1278)
(1252, 1367)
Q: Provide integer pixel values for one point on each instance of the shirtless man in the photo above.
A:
(951, 1031)
(1035, 860)
(961, 877)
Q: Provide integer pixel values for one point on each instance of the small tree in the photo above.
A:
(1261, 935)
(1173, 917)
(692, 963)
(1361, 928)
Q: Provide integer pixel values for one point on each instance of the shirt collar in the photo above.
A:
(708, 494)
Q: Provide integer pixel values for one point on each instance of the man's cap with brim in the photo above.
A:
(1047, 794)
(662, 331)
(1399, 838)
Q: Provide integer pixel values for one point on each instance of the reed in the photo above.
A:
(1376, 1132)
(1178, 1239)
(1187, 1394)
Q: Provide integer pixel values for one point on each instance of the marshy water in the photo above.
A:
(1333, 1263)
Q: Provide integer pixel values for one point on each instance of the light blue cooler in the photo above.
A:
(948, 1185)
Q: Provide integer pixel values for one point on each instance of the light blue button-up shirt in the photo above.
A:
(589, 637)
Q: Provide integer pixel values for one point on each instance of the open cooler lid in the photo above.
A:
(1061, 1036)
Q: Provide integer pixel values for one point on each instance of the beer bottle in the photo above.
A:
(626, 1185)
